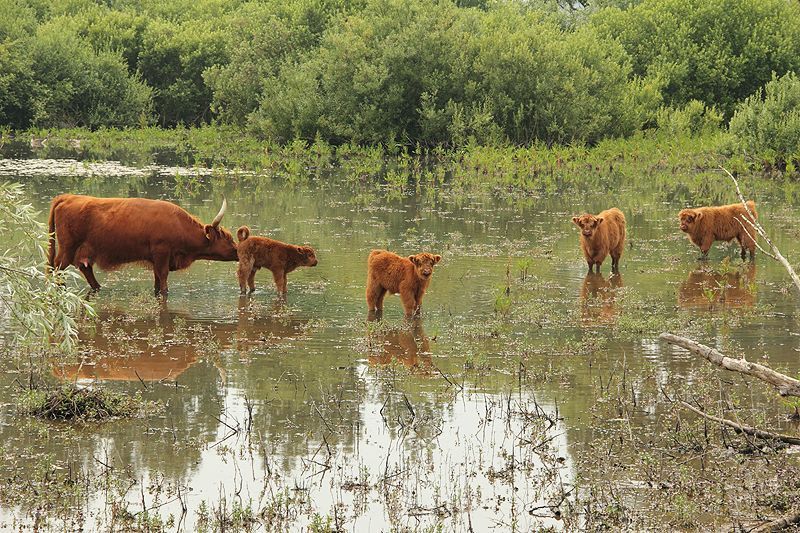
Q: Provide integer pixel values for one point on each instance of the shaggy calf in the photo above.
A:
(407, 276)
(704, 225)
(602, 235)
(280, 258)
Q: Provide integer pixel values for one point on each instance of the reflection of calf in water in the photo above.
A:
(409, 345)
(706, 288)
(599, 298)
(125, 347)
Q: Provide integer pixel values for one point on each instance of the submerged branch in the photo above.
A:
(786, 386)
(748, 430)
(778, 525)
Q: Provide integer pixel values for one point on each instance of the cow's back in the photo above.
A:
(113, 231)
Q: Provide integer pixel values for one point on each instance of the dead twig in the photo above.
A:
(786, 386)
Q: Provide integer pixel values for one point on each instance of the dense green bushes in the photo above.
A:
(767, 124)
(413, 71)
(714, 51)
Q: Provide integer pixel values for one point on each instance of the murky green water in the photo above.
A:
(472, 417)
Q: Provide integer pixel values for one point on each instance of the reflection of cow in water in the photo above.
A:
(599, 298)
(705, 288)
(129, 348)
(410, 346)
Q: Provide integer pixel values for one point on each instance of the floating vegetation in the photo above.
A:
(71, 403)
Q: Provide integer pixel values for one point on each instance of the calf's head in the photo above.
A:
(588, 224)
(307, 256)
(688, 218)
(423, 264)
(220, 241)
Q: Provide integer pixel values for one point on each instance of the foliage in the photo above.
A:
(714, 51)
(40, 305)
(767, 124)
(392, 71)
(434, 73)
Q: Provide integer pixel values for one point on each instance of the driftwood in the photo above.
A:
(778, 525)
(760, 230)
(739, 428)
(786, 386)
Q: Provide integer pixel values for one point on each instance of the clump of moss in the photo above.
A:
(69, 402)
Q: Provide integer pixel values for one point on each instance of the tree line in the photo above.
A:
(412, 71)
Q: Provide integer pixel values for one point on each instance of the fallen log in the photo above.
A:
(786, 386)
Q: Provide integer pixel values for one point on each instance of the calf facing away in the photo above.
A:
(407, 276)
(704, 225)
(280, 258)
(602, 235)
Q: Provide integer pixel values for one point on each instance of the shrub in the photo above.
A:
(767, 124)
(714, 51)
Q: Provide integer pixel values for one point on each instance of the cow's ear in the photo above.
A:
(436, 259)
(413, 259)
(210, 231)
(599, 220)
(575, 220)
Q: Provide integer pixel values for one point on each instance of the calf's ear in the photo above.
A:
(436, 259)
(698, 215)
(413, 259)
(575, 220)
(599, 220)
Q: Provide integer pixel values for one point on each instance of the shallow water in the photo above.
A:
(381, 426)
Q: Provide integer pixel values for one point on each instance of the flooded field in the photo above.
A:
(528, 394)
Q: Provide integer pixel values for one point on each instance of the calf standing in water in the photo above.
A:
(704, 225)
(408, 276)
(602, 235)
(280, 258)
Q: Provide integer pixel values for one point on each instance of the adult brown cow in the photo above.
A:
(111, 232)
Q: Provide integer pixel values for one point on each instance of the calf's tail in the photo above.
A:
(51, 223)
(243, 233)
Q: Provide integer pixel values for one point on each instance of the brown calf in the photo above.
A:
(602, 235)
(407, 276)
(704, 225)
(280, 258)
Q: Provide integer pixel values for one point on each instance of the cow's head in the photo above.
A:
(588, 224)
(220, 241)
(423, 264)
(688, 218)
(307, 256)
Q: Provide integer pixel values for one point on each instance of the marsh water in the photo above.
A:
(474, 416)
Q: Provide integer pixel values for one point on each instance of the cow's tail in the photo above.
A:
(51, 228)
(243, 233)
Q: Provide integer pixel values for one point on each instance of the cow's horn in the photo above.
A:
(219, 216)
